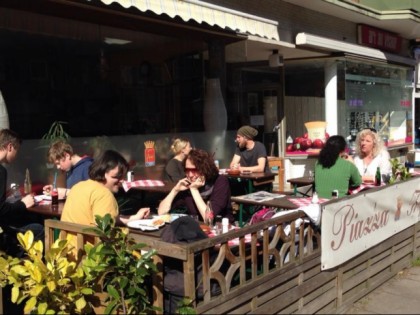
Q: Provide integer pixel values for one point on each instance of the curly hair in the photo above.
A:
(105, 162)
(58, 150)
(378, 144)
(330, 152)
(204, 163)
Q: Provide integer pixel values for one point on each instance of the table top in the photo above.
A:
(47, 210)
(306, 180)
(158, 189)
(281, 202)
(263, 176)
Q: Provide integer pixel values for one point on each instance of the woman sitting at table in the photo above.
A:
(174, 171)
(333, 171)
(95, 196)
(370, 154)
(201, 184)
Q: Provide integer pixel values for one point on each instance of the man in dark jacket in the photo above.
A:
(14, 217)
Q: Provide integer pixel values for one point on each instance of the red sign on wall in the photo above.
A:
(377, 38)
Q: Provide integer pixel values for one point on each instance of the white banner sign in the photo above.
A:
(352, 225)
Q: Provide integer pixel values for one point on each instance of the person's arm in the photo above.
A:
(165, 204)
(256, 168)
(355, 178)
(141, 214)
(235, 161)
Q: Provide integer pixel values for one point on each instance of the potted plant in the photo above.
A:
(399, 171)
(56, 132)
(113, 272)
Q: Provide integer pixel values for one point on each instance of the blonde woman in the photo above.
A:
(370, 154)
(174, 171)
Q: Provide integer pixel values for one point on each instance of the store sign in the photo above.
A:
(377, 38)
(352, 226)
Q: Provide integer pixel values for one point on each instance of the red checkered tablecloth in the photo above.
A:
(363, 187)
(142, 183)
(235, 241)
(302, 202)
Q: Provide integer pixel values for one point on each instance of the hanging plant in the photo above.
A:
(56, 132)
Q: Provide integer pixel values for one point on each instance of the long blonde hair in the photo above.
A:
(178, 145)
(378, 144)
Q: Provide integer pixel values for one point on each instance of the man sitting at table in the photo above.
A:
(14, 217)
(76, 167)
(249, 155)
(95, 196)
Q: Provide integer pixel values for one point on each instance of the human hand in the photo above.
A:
(183, 184)
(28, 200)
(47, 189)
(198, 182)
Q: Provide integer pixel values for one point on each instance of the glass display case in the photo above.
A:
(379, 96)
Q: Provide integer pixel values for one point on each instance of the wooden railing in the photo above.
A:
(270, 272)
(232, 268)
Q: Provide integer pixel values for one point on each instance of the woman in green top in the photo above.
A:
(333, 171)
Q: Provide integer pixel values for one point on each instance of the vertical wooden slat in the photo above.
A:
(189, 281)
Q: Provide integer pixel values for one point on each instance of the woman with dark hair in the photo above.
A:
(95, 196)
(333, 171)
(201, 184)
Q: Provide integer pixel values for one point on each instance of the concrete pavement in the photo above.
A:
(400, 295)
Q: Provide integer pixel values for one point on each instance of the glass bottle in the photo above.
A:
(209, 215)
(334, 194)
(27, 185)
(378, 177)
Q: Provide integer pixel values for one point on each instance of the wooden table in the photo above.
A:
(302, 181)
(254, 179)
(281, 203)
(48, 210)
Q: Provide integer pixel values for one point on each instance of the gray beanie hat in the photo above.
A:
(248, 132)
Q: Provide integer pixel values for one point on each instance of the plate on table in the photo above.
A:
(146, 224)
(169, 218)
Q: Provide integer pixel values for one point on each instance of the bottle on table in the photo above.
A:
(334, 194)
(27, 184)
(209, 215)
(225, 225)
(315, 198)
(378, 177)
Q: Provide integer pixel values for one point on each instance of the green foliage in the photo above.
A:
(116, 267)
(55, 133)
(399, 171)
(122, 267)
(416, 262)
(185, 307)
(53, 286)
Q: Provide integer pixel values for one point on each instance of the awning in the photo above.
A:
(203, 12)
(332, 45)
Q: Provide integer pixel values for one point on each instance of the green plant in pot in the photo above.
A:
(122, 267)
(55, 133)
(113, 273)
(399, 171)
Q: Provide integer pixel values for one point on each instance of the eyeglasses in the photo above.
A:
(192, 170)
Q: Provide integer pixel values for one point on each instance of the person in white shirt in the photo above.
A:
(370, 154)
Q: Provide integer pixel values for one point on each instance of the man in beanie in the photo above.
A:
(250, 155)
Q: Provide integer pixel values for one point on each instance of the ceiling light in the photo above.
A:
(116, 41)
(275, 59)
